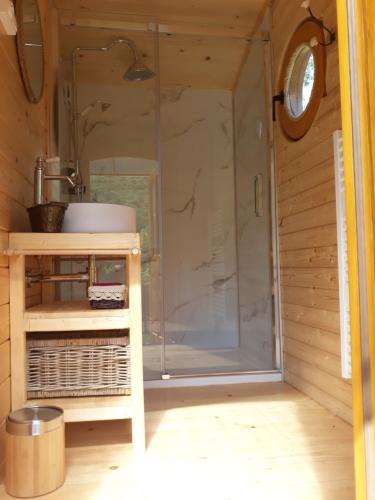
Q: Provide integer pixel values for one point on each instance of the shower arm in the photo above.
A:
(75, 113)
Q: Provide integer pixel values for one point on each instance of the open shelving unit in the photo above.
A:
(78, 316)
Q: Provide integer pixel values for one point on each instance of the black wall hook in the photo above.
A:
(277, 98)
(332, 34)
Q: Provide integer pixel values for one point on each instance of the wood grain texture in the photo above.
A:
(311, 297)
(311, 238)
(239, 442)
(319, 278)
(58, 243)
(4, 243)
(309, 258)
(308, 199)
(2, 450)
(4, 411)
(4, 286)
(91, 408)
(238, 15)
(35, 465)
(316, 337)
(133, 263)
(202, 44)
(310, 316)
(4, 399)
(4, 322)
(23, 137)
(18, 338)
(76, 316)
(186, 59)
(4, 360)
(307, 231)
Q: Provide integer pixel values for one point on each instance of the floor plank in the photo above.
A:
(249, 441)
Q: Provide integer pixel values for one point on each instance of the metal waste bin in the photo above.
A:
(35, 451)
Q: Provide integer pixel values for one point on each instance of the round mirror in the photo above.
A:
(299, 82)
(30, 48)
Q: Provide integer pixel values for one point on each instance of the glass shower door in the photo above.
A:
(109, 119)
(217, 225)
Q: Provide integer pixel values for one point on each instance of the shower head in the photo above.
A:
(138, 72)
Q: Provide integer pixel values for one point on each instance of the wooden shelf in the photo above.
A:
(73, 243)
(82, 409)
(70, 316)
(78, 316)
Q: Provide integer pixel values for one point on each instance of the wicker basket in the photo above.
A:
(85, 364)
(108, 296)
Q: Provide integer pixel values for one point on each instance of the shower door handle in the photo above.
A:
(258, 195)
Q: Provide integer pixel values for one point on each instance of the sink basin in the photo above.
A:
(99, 218)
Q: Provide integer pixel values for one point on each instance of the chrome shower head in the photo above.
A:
(138, 72)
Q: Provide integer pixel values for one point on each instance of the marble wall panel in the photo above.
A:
(199, 218)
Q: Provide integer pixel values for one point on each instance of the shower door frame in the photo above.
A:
(275, 375)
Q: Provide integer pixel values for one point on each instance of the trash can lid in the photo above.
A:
(34, 420)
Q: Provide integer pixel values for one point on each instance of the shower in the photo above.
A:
(187, 154)
(136, 72)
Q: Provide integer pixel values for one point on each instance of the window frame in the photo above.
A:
(297, 127)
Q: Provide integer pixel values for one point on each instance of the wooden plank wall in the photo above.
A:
(307, 231)
(24, 135)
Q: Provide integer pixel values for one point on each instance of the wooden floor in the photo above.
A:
(244, 442)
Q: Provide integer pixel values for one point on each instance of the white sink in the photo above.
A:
(99, 218)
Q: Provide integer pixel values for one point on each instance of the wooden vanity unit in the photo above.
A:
(75, 317)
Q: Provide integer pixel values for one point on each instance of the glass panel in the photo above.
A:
(135, 191)
(109, 126)
(201, 317)
(217, 258)
(216, 219)
(131, 190)
(253, 213)
(299, 81)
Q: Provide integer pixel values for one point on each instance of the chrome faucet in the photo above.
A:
(40, 177)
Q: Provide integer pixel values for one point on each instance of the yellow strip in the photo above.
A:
(366, 69)
(359, 446)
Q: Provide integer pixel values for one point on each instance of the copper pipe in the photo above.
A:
(56, 278)
(92, 270)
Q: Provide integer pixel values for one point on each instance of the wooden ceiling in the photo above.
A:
(202, 42)
(237, 15)
(185, 60)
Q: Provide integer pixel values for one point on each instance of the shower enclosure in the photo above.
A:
(189, 148)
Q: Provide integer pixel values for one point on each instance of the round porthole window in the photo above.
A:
(299, 82)
(302, 79)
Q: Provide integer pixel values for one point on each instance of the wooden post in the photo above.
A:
(135, 311)
(17, 331)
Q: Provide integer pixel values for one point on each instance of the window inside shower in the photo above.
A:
(189, 149)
